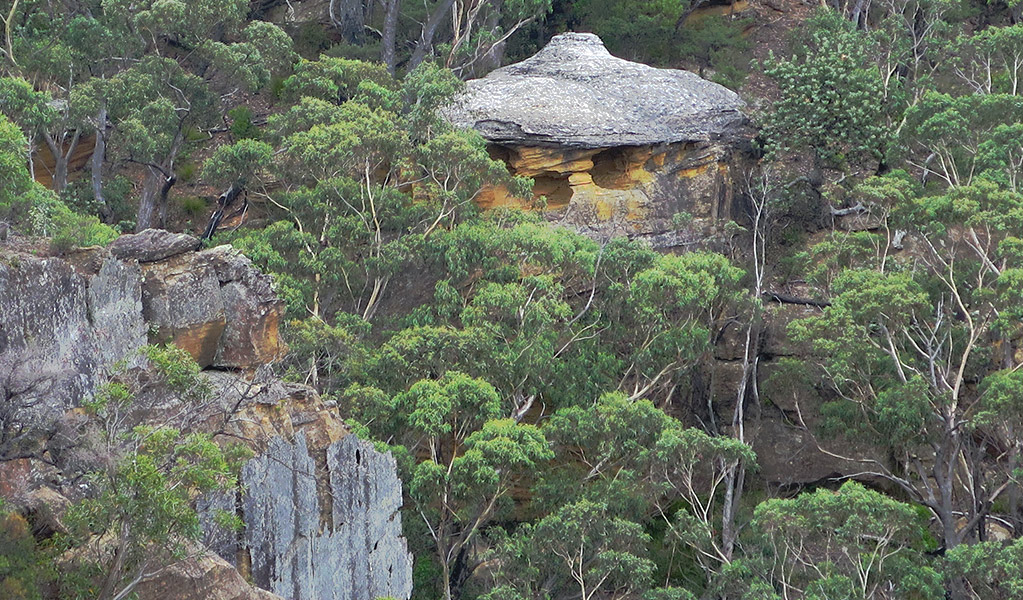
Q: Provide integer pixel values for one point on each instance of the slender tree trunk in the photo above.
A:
(159, 181)
(98, 155)
(445, 575)
(147, 203)
(348, 16)
(425, 45)
(61, 158)
(31, 163)
(168, 183)
(495, 54)
(153, 204)
(387, 43)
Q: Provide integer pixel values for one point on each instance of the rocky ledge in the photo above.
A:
(64, 320)
(574, 93)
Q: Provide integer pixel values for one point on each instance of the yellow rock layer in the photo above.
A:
(611, 184)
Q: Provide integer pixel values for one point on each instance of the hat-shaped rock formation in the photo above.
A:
(614, 146)
(574, 93)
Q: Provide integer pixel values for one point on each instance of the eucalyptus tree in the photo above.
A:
(91, 57)
(581, 550)
(373, 175)
(851, 543)
(906, 345)
(462, 458)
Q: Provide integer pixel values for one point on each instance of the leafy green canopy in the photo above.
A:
(32, 209)
(829, 95)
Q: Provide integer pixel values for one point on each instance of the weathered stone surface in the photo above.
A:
(321, 513)
(615, 148)
(574, 93)
(152, 245)
(62, 322)
(787, 454)
(634, 191)
(115, 303)
(201, 577)
(251, 307)
(367, 497)
(58, 329)
(264, 408)
(216, 305)
(777, 341)
(358, 554)
(182, 303)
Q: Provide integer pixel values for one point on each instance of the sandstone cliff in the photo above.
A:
(320, 507)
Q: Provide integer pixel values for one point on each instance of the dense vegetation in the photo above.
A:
(546, 393)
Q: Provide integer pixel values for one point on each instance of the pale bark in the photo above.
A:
(349, 18)
(424, 47)
(387, 42)
(98, 155)
(61, 157)
(156, 187)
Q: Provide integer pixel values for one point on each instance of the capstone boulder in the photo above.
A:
(615, 147)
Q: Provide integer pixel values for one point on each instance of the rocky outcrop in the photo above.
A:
(351, 549)
(152, 245)
(63, 321)
(59, 328)
(573, 93)
(215, 305)
(204, 576)
(615, 147)
(320, 507)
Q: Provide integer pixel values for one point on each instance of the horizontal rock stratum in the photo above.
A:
(614, 148)
(575, 93)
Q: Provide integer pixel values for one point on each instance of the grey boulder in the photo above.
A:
(574, 93)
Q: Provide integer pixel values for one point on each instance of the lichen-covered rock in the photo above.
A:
(321, 513)
(115, 304)
(59, 329)
(63, 322)
(573, 93)
(301, 550)
(615, 148)
(151, 245)
(367, 497)
(216, 305)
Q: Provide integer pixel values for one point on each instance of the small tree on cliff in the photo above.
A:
(141, 482)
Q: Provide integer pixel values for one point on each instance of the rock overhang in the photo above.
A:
(575, 94)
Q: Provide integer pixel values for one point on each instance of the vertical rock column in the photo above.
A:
(360, 556)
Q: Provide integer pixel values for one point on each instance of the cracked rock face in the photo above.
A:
(60, 328)
(63, 322)
(357, 554)
(574, 93)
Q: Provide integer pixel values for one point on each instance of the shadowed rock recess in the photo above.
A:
(320, 508)
(615, 147)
